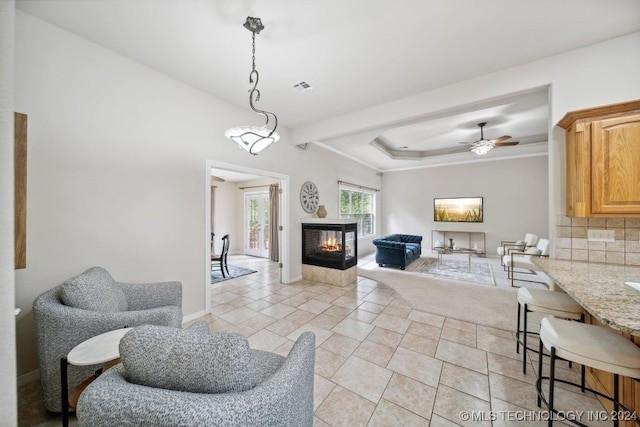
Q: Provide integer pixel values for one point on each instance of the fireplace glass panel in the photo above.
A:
(330, 245)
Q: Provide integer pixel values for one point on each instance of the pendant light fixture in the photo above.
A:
(254, 139)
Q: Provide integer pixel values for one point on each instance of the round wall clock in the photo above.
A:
(309, 197)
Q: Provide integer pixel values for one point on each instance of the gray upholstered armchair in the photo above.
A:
(88, 305)
(183, 377)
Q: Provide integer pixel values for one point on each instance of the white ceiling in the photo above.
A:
(355, 54)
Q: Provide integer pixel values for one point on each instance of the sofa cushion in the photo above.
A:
(393, 238)
(187, 360)
(93, 290)
(414, 246)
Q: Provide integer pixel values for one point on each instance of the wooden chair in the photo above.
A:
(222, 258)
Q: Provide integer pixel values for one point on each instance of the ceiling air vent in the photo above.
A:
(302, 86)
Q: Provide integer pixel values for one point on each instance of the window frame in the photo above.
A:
(370, 193)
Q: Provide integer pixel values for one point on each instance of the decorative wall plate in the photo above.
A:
(309, 197)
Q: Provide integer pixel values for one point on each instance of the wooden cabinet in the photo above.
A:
(603, 161)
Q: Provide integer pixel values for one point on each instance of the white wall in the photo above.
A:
(8, 403)
(227, 217)
(515, 196)
(117, 160)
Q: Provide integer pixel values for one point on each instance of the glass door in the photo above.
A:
(256, 224)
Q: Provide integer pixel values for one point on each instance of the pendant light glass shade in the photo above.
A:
(251, 138)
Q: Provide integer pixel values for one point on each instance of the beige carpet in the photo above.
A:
(481, 304)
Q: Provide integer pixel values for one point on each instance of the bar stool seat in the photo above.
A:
(543, 301)
(592, 346)
(554, 303)
(588, 345)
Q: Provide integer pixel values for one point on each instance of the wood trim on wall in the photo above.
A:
(20, 189)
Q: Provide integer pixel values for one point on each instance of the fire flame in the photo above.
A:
(331, 245)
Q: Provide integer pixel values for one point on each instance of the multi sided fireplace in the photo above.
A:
(330, 244)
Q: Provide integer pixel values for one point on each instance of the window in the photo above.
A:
(361, 205)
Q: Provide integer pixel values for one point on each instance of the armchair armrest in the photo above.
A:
(522, 260)
(524, 254)
(144, 296)
(390, 244)
(508, 246)
(63, 321)
(508, 242)
(513, 244)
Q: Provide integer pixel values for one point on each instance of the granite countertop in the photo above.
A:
(600, 290)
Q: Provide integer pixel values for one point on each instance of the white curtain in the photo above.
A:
(274, 202)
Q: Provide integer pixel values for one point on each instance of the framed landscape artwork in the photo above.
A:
(458, 209)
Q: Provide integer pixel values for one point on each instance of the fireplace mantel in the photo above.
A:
(328, 221)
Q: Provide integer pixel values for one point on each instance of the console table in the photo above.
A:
(470, 240)
(447, 251)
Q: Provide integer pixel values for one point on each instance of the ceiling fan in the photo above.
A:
(483, 146)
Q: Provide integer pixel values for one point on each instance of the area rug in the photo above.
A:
(485, 305)
(216, 275)
(458, 270)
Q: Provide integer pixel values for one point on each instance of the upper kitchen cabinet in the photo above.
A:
(603, 160)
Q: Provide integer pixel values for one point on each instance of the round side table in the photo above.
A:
(100, 349)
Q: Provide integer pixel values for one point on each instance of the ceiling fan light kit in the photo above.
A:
(483, 146)
(254, 139)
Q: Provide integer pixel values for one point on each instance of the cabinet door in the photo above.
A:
(615, 165)
(578, 169)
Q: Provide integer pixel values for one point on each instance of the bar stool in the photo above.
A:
(589, 345)
(557, 304)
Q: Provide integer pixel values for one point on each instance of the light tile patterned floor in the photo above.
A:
(379, 362)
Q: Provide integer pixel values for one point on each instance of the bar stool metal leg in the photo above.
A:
(524, 341)
(540, 350)
(552, 378)
(518, 330)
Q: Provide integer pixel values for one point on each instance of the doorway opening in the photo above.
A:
(240, 202)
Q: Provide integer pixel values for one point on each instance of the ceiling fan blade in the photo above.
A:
(507, 144)
(501, 138)
(465, 143)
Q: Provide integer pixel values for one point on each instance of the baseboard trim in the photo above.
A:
(295, 279)
(193, 316)
(29, 377)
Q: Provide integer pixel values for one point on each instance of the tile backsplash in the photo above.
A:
(572, 242)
